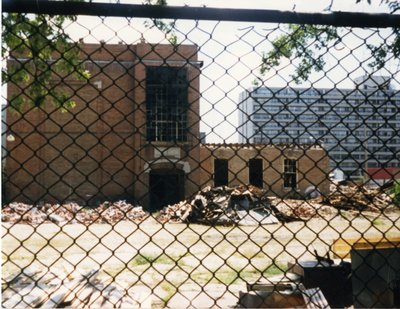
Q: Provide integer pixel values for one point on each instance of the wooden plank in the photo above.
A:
(341, 247)
(137, 297)
(114, 297)
(31, 296)
(96, 299)
(26, 275)
(91, 275)
(83, 296)
(66, 292)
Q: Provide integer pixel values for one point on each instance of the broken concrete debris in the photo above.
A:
(252, 205)
(222, 205)
(358, 197)
(243, 205)
(72, 213)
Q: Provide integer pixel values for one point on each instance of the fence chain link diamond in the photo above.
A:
(195, 167)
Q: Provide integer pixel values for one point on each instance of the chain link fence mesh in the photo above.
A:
(149, 163)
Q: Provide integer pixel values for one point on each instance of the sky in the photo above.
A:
(232, 54)
(232, 51)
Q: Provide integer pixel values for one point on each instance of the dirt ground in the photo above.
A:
(181, 265)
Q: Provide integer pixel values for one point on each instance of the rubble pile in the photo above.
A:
(115, 212)
(72, 213)
(251, 205)
(175, 213)
(222, 205)
(288, 210)
(357, 197)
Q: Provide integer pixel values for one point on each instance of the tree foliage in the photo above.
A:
(38, 52)
(396, 192)
(306, 43)
(166, 27)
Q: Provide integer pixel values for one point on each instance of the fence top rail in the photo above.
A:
(339, 19)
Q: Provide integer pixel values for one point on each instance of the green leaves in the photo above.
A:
(396, 192)
(38, 51)
(166, 27)
(306, 43)
(307, 46)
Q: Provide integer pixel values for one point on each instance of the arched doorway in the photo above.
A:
(166, 187)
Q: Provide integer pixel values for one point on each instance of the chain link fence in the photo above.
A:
(207, 160)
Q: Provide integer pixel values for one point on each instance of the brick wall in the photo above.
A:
(312, 166)
(98, 151)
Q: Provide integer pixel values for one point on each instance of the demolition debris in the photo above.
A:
(242, 205)
(221, 205)
(251, 205)
(73, 213)
(358, 197)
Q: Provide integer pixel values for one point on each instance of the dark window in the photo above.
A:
(289, 174)
(220, 172)
(166, 104)
(256, 172)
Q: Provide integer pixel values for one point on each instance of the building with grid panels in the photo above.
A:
(359, 127)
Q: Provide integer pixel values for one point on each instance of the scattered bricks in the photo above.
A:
(72, 213)
(175, 213)
(56, 219)
(356, 197)
(220, 205)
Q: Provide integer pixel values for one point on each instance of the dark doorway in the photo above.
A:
(166, 188)
(220, 172)
(256, 172)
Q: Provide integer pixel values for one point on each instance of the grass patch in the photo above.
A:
(275, 269)
(378, 222)
(226, 277)
(201, 276)
(144, 259)
(230, 276)
(169, 290)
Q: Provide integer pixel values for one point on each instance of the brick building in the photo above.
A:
(134, 134)
(284, 170)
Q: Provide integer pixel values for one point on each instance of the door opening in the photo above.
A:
(166, 188)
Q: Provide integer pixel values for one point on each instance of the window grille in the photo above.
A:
(290, 173)
(167, 104)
